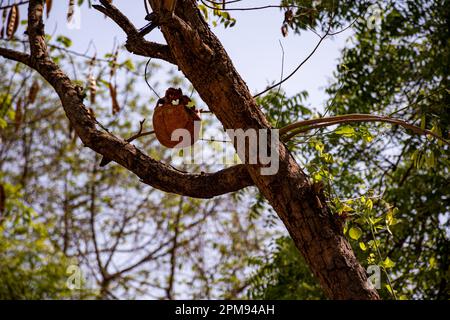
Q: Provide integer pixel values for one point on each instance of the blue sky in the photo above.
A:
(253, 44)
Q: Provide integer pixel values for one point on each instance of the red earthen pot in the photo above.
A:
(169, 117)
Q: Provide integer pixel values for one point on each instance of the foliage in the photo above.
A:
(388, 187)
(282, 110)
(31, 267)
(284, 275)
(149, 244)
(221, 17)
(401, 66)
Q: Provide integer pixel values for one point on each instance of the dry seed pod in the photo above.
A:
(19, 114)
(288, 16)
(2, 199)
(91, 112)
(115, 103)
(92, 85)
(112, 71)
(284, 30)
(34, 89)
(71, 10)
(12, 22)
(169, 5)
(48, 6)
(92, 82)
(2, 31)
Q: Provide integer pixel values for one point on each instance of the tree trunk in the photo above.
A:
(314, 229)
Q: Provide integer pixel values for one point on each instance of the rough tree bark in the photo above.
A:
(200, 56)
(203, 60)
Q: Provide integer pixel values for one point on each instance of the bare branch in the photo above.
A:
(135, 42)
(16, 56)
(151, 172)
(14, 4)
(303, 126)
(251, 8)
(140, 134)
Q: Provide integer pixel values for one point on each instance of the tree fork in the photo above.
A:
(314, 229)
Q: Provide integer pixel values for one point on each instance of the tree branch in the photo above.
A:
(151, 172)
(16, 56)
(294, 129)
(13, 4)
(135, 42)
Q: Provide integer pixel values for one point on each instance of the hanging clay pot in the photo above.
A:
(172, 113)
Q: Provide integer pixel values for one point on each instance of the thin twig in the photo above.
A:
(140, 133)
(300, 65)
(14, 4)
(256, 8)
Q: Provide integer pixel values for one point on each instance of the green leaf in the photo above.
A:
(204, 11)
(129, 65)
(66, 42)
(355, 233)
(423, 122)
(317, 177)
(367, 137)
(432, 262)
(388, 263)
(346, 131)
(369, 204)
(346, 208)
(3, 123)
(389, 218)
(363, 246)
(388, 288)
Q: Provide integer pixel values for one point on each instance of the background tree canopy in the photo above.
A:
(397, 66)
(70, 229)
